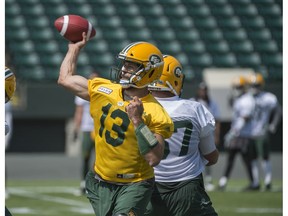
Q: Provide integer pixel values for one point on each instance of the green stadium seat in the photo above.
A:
(224, 60)
(32, 10)
(175, 11)
(29, 59)
(269, 46)
(230, 23)
(182, 58)
(201, 60)
(140, 2)
(137, 22)
(116, 46)
(193, 2)
(270, 11)
(277, 35)
(248, 60)
(105, 59)
(142, 34)
(164, 35)
(127, 10)
(259, 35)
(159, 23)
(211, 35)
(32, 72)
(55, 11)
(171, 48)
(106, 9)
(187, 35)
(222, 11)
(272, 59)
(108, 22)
(247, 10)
(52, 60)
(79, 9)
(196, 47)
(16, 34)
(38, 22)
(114, 34)
(275, 72)
(169, 2)
(274, 23)
(12, 10)
(234, 35)
(43, 34)
(97, 46)
(217, 47)
(200, 11)
(253, 22)
(239, 2)
(216, 2)
(49, 46)
(151, 10)
(14, 22)
(205, 23)
(181, 23)
(22, 47)
(243, 47)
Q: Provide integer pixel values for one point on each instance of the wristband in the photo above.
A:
(146, 139)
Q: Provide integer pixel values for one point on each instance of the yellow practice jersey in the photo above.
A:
(117, 154)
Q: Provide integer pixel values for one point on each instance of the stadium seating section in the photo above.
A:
(201, 33)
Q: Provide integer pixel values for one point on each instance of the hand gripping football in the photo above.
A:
(71, 27)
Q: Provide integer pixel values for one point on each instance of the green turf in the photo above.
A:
(57, 198)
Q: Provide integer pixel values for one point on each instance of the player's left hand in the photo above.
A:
(135, 110)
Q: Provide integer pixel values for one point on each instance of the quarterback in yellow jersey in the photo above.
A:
(130, 127)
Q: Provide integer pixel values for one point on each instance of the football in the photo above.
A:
(71, 27)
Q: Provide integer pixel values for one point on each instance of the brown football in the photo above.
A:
(71, 27)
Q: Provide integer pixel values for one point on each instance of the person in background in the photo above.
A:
(130, 127)
(203, 97)
(237, 139)
(83, 127)
(10, 88)
(266, 118)
(179, 188)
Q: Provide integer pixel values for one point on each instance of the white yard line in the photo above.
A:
(35, 193)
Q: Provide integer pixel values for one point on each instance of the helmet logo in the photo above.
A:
(178, 72)
(154, 59)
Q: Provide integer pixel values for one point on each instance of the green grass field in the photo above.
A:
(57, 198)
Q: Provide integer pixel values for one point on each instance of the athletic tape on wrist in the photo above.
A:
(146, 139)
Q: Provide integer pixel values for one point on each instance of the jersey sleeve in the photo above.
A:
(206, 121)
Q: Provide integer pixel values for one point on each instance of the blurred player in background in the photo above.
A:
(237, 139)
(266, 117)
(179, 188)
(130, 127)
(203, 97)
(83, 127)
(10, 87)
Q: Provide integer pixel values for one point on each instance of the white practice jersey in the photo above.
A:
(183, 159)
(243, 108)
(265, 102)
(212, 107)
(87, 121)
